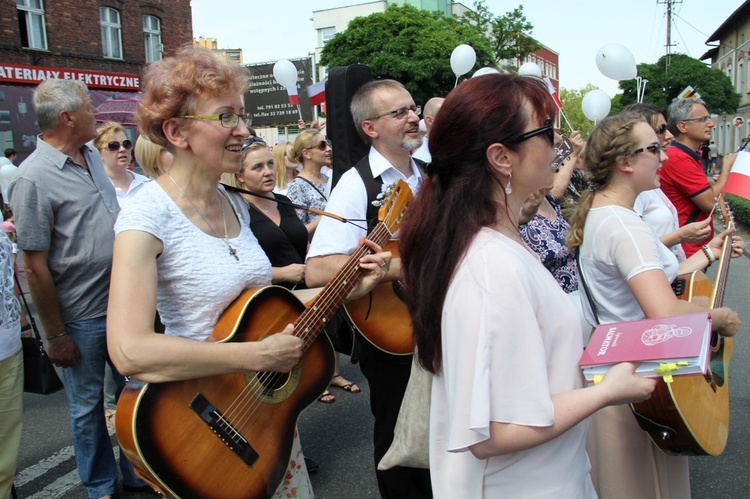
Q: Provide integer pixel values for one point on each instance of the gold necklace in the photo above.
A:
(616, 201)
(232, 251)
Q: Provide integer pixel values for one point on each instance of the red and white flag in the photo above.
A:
(738, 182)
(552, 91)
(317, 93)
(293, 95)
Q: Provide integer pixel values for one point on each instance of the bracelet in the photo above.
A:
(709, 254)
(50, 338)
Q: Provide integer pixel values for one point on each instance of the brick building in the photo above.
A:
(105, 43)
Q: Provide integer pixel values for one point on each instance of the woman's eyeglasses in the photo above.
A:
(322, 146)
(227, 120)
(548, 130)
(654, 149)
(114, 145)
(661, 129)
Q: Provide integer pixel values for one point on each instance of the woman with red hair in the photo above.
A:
(508, 410)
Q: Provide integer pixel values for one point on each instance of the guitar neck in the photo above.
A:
(312, 321)
(717, 299)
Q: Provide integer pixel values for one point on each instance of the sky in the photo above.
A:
(268, 30)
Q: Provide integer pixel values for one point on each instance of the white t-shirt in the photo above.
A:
(618, 245)
(197, 277)
(657, 210)
(10, 308)
(510, 341)
(349, 199)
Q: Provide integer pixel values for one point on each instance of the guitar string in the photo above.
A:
(253, 395)
(250, 398)
(329, 303)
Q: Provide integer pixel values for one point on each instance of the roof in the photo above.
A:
(732, 21)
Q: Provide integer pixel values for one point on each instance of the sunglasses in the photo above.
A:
(252, 140)
(661, 129)
(322, 146)
(114, 145)
(654, 149)
(548, 130)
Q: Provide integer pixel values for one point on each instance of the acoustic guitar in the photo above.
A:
(382, 316)
(231, 435)
(690, 416)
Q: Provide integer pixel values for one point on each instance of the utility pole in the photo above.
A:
(670, 5)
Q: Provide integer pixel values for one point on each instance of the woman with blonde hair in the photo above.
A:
(153, 159)
(286, 170)
(309, 186)
(184, 247)
(116, 150)
(626, 273)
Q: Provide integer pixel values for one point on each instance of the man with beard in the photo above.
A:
(387, 118)
(682, 177)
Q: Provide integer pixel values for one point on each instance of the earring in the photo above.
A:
(508, 190)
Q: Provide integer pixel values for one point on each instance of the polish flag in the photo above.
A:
(293, 96)
(317, 93)
(552, 91)
(738, 182)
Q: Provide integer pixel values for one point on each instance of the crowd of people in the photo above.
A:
(502, 237)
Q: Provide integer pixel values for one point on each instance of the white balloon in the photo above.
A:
(596, 104)
(530, 69)
(615, 61)
(485, 71)
(285, 73)
(463, 59)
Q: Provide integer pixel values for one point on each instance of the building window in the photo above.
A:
(31, 24)
(740, 74)
(152, 38)
(326, 34)
(111, 32)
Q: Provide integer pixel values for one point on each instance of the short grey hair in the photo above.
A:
(53, 96)
(362, 107)
(680, 110)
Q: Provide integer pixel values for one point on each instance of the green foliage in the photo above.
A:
(509, 34)
(571, 100)
(713, 85)
(407, 45)
(741, 209)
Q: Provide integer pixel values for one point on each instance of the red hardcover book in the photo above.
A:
(668, 345)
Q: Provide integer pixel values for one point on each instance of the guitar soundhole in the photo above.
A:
(273, 388)
(398, 290)
(270, 382)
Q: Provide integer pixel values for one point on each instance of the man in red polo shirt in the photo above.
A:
(682, 176)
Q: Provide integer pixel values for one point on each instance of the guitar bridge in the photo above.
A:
(224, 429)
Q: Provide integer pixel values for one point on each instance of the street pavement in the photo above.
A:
(338, 436)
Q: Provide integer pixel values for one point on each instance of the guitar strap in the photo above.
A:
(586, 289)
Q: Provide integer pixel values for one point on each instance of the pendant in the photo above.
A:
(233, 252)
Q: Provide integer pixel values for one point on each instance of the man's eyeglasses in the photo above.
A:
(228, 120)
(654, 149)
(400, 113)
(114, 146)
(252, 140)
(548, 130)
(661, 129)
(702, 119)
(322, 146)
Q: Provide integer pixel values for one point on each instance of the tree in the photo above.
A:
(509, 34)
(662, 88)
(408, 45)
